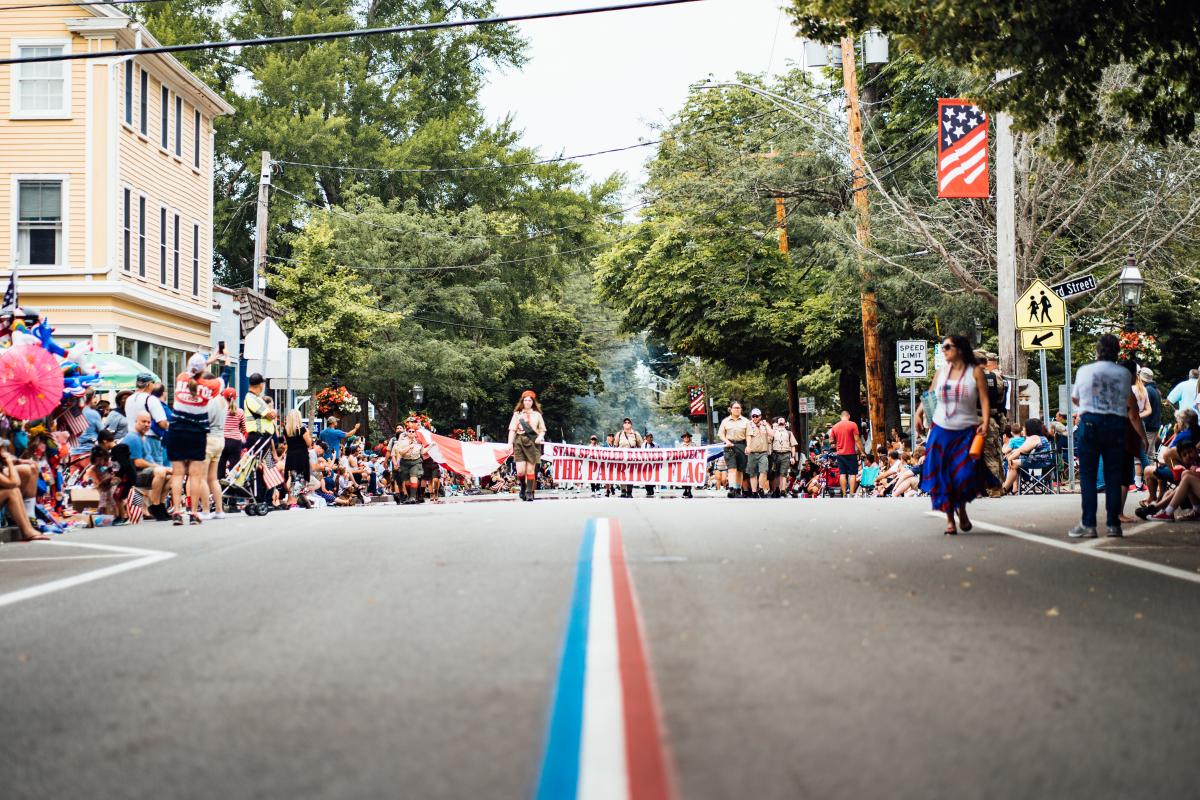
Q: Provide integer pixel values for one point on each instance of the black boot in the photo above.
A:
(522, 489)
(530, 491)
(687, 491)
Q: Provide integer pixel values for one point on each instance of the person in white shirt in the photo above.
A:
(1108, 407)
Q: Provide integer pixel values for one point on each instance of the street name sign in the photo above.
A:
(1075, 286)
(1041, 339)
(1040, 307)
(912, 359)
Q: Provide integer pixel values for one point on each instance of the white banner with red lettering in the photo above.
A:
(660, 466)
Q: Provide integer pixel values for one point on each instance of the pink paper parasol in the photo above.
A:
(31, 382)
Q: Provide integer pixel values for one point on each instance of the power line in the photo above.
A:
(522, 164)
(330, 35)
(83, 3)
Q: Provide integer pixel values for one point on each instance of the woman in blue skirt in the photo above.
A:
(950, 476)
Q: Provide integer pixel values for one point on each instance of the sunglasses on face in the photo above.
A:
(947, 347)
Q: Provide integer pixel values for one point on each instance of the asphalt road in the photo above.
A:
(832, 648)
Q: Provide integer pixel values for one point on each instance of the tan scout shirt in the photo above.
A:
(407, 446)
(630, 439)
(758, 438)
(733, 430)
(782, 440)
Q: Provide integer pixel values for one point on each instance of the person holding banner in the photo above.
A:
(686, 438)
(732, 433)
(628, 437)
(526, 432)
(406, 452)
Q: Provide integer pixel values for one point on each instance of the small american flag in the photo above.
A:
(272, 476)
(10, 294)
(135, 507)
(962, 150)
(75, 422)
(696, 401)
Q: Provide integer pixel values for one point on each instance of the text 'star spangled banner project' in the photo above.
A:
(661, 466)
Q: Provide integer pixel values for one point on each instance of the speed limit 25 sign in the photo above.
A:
(911, 359)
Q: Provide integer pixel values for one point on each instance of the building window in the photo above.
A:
(42, 87)
(39, 222)
(129, 93)
(175, 256)
(166, 118)
(178, 126)
(127, 228)
(196, 142)
(195, 259)
(144, 102)
(162, 246)
(141, 237)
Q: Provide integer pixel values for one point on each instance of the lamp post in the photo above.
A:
(1131, 284)
(463, 408)
(418, 395)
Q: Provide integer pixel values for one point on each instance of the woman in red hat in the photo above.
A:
(526, 432)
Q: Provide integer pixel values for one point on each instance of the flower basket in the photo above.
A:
(336, 401)
(1141, 348)
(463, 434)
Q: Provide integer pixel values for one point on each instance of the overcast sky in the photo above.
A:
(600, 81)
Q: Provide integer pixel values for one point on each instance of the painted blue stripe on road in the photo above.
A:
(559, 778)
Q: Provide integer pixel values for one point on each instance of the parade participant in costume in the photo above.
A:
(950, 475)
(187, 438)
(628, 437)
(758, 454)
(732, 433)
(783, 454)
(406, 464)
(526, 432)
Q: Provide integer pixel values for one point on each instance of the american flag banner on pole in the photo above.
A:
(962, 149)
(696, 401)
(135, 507)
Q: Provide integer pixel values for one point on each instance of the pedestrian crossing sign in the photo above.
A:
(1040, 307)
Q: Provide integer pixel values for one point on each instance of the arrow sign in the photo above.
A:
(1042, 339)
(1039, 340)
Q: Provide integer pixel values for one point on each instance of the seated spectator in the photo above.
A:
(1034, 450)
(1185, 495)
(868, 473)
(910, 475)
(890, 474)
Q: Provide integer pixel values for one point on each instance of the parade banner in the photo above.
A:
(659, 466)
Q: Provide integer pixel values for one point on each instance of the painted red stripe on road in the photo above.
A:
(645, 748)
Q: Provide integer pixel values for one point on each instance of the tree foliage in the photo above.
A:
(1059, 51)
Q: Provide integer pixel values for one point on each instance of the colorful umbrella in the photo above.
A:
(31, 382)
(116, 372)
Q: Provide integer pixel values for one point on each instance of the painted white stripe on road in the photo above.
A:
(1095, 552)
(602, 769)
(62, 558)
(144, 559)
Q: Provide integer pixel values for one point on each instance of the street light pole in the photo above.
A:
(868, 302)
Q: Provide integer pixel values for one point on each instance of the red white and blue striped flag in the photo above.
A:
(962, 149)
(135, 507)
(696, 401)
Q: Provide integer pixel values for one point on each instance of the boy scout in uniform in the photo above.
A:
(783, 453)
(758, 454)
(628, 437)
(406, 464)
(732, 434)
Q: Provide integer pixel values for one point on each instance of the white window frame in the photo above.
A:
(141, 236)
(14, 203)
(15, 111)
(179, 127)
(195, 259)
(127, 234)
(143, 103)
(176, 236)
(197, 128)
(164, 133)
(130, 81)
(164, 216)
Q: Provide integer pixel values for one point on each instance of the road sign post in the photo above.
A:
(912, 362)
(1065, 290)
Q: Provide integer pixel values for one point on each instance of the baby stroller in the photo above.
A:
(242, 480)
(829, 479)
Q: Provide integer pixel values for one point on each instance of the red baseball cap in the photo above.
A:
(229, 393)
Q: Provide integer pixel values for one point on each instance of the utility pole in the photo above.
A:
(1006, 243)
(260, 223)
(793, 392)
(870, 314)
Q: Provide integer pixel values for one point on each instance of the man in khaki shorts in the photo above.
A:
(407, 468)
(783, 453)
(758, 454)
(732, 434)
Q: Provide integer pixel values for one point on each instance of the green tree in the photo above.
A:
(1059, 51)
